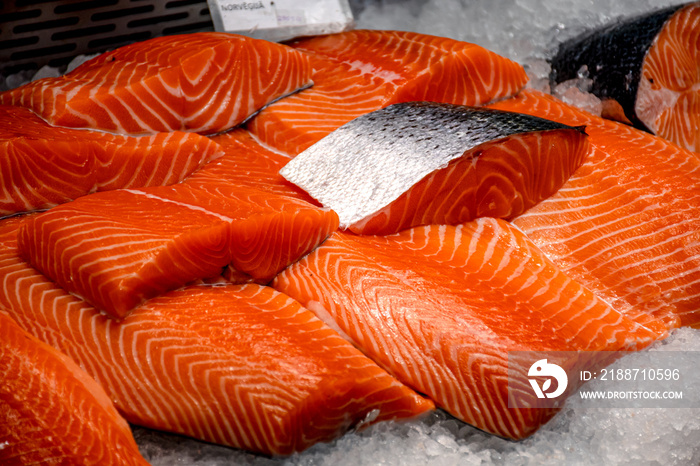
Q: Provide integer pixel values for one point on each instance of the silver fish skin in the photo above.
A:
(370, 161)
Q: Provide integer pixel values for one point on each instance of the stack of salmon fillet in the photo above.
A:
(156, 267)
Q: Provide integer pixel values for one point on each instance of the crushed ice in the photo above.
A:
(527, 31)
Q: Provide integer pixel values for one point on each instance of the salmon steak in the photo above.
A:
(42, 166)
(51, 411)
(440, 307)
(204, 82)
(627, 223)
(644, 69)
(238, 365)
(357, 72)
(421, 163)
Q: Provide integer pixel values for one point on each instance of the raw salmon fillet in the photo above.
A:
(644, 69)
(360, 71)
(668, 100)
(440, 307)
(119, 248)
(52, 412)
(420, 163)
(247, 162)
(627, 223)
(239, 365)
(42, 166)
(339, 94)
(205, 82)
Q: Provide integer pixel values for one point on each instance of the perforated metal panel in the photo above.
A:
(34, 33)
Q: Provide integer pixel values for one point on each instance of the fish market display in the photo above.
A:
(119, 248)
(366, 226)
(239, 365)
(204, 83)
(440, 306)
(357, 72)
(52, 412)
(627, 223)
(644, 69)
(420, 163)
(42, 166)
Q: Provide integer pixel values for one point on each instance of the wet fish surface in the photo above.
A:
(204, 82)
(364, 166)
(627, 223)
(357, 72)
(239, 365)
(440, 307)
(42, 166)
(53, 412)
(229, 308)
(119, 248)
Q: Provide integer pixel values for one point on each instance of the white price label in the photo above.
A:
(242, 15)
(281, 19)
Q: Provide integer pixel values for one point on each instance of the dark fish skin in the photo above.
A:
(614, 55)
